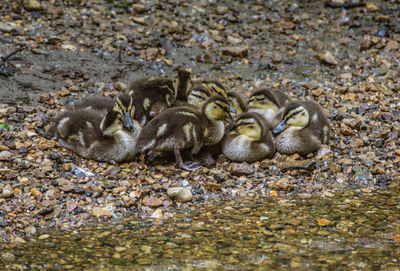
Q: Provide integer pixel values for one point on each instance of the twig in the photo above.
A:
(13, 53)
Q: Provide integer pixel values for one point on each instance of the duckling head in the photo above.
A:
(125, 110)
(249, 126)
(236, 103)
(217, 108)
(198, 95)
(263, 99)
(216, 88)
(295, 115)
(111, 123)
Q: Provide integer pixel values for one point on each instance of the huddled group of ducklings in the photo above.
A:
(160, 114)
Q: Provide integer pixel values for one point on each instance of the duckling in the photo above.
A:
(153, 95)
(214, 86)
(237, 102)
(109, 137)
(267, 103)
(251, 140)
(185, 127)
(303, 128)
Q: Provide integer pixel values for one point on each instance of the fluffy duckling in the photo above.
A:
(303, 128)
(185, 127)
(153, 95)
(267, 103)
(237, 102)
(109, 137)
(250, 141)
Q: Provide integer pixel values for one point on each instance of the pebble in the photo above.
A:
(44, 236)
(3, 222)
(5, 156)
(139, 20)
(180, 193)
(138, 8)
(241, 169)
(324, 222)
(371, 7)
(32, 5)
(7, 191)
(8, 257)
(36, 193)
(5, 27)
(327, 57)
(45, 144)
(101, 212)
(152, 202)
(282, 184)
(157, 214)
(236, 51)
(30, 230)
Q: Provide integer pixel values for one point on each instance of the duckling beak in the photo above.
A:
(128, 123)
(232, 108)
(231, 121)
(281, 127)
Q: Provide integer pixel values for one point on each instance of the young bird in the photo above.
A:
(184, 127)
(268, 103)
(153, 95)
(109, 137)
(251, 140)
(303, 129)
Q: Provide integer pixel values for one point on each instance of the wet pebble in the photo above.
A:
(327, 57)
(283, 184)
(241, 169)
(236, 51)
(180, 193)
(101, 212)
(6, 156)
(152, 202)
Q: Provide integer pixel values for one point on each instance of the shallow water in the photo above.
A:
(361, 233)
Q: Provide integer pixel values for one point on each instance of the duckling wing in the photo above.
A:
(175, 126)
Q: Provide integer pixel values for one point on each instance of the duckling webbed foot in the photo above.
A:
(180, 164)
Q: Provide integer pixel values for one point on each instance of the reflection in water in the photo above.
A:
(349, 230)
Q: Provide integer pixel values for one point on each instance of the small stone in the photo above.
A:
(120, 249)
(5, 27)
(213, 186)
(19, 240)
(392, 45)
(152, 202)
(30, 230)
(32, 5)
(67, 167)
(101, 212)
(3, 222)
(282, 184)
(8, 257)
(7, 191)
(44, 236)
(146, 249)
(45, 144)
(237, 51)
(182, 194)
(36, 193)
(157, 214)
(221, 10)
(371, 7)
(138, 8)
(5, 156)
(139, 20)
(241, 169)
(346, 130)
(327, 57)
(324, 222)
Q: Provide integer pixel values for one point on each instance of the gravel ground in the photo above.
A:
(347, 59)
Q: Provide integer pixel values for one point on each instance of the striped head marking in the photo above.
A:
(217, 108)
(249, 126)
(198, 95)
(125, 109)
(295, 115)
(263, 99)
(216, 88)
